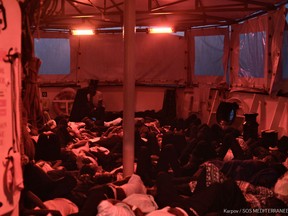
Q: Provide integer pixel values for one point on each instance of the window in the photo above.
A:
(251, 54)
(54, 54)
(209, 55)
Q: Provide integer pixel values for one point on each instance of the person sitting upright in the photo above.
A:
(84, 102)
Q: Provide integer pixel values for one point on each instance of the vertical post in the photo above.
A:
(129, 87)
(189, 68)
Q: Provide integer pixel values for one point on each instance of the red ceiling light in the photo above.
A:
(160, 30)
(82, 32)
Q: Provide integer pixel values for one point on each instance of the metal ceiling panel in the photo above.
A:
(181, 14)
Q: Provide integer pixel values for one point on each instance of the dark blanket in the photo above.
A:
(253, 171)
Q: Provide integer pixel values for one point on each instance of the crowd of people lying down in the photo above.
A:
(184, 168)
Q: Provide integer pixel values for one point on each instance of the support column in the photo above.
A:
(129, 88)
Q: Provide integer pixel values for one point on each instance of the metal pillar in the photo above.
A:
(129, 87)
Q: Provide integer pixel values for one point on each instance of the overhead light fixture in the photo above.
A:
(160, 30)
(82, 32)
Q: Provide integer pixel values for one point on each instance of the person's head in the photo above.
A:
(179, 125)
(190, 120)
(204, 150)
(223, 124)
(216, 132)
(92, 87)
(260, 153)
(204, 132)
(283, 144)
(62, 120)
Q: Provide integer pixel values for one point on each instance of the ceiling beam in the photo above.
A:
(112, 12)
(82, 3)
(269, 6)
(81, 15)
(160, 7)
(116, 5)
